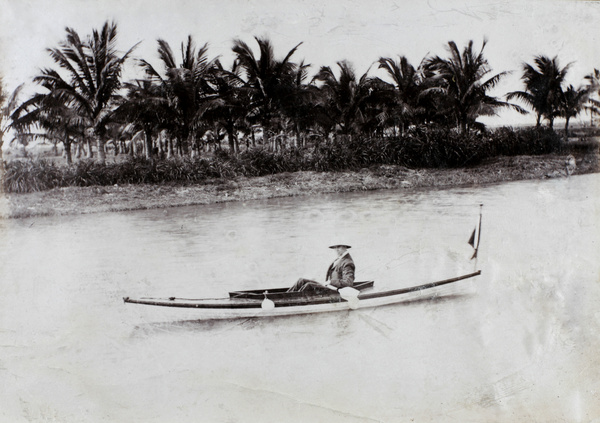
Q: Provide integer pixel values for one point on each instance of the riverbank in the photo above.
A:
(83, 200)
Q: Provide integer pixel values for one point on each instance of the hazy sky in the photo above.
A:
(359, 31)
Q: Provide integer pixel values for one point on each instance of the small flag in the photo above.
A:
(472, 239)
(476, 236)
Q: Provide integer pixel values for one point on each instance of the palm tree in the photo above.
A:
(48, 112)
(229, 108)
(270, 81)
(543, 88)
(407, 89)
(345, 97)
(464, 81)
(572, 103)
(93, 72)
(186, 87)
(146, 108)
(299, 107)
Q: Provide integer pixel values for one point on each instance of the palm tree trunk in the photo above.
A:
(101, 151)
(231, 139)
(170, 152)
(160, 142)
(297, 140)
(90, 153)
(67, 145)
(148, 139)
(189, 145)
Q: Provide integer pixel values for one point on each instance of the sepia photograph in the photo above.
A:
(299, 211)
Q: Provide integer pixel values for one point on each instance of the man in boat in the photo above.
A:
(339, 275)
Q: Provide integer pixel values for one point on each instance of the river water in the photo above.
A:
(518, 343)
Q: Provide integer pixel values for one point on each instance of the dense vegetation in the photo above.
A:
(417, 148)
(423, 116)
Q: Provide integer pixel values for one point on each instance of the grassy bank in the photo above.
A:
(94, 199)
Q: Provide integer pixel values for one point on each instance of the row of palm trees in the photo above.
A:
(186, 104)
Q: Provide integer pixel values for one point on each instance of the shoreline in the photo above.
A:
(101, 199)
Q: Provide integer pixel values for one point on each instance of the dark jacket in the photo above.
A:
(341, 272)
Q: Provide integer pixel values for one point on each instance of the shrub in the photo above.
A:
(28, 175)
(259, 162)
(583, 145)
(529, 141)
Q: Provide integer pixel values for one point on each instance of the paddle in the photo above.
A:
(351, 295)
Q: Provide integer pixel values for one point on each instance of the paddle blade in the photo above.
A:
(348, 292)
(267, 304)
(351, 295)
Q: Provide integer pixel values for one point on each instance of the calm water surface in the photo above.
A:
(519, 343)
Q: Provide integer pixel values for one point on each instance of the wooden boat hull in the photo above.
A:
(231, 308)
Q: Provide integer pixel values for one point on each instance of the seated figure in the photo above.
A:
(339, 275)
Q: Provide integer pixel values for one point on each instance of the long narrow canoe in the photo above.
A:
(242, 304)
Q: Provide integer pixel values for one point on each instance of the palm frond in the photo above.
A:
(524, 96)
(166, 55)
